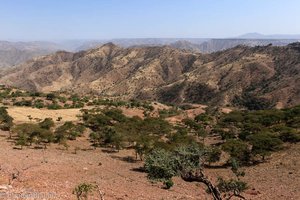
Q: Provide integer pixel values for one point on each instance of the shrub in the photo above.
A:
(213, 154)
(264, 143)
(237, 149)
(112, 137)
(50, 96)
(83, 190)
(204, 118)
(168, 184)
(68, 131)
(27, 103)
(54, 106)
(32, 133)
(159, 165)
(6, 121)
(47, 123)
(115, 114)
(38, 104)
(232, 185)
(290, 136)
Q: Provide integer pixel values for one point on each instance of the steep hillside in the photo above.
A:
(14, 53)
(256, 77)
(215, 45)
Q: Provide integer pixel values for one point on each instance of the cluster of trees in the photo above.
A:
(252, 135)
(41, 100)
(45, 133)
(113, 129)
(247, 136)
(57, 101)
(170, 150)
(118, 103)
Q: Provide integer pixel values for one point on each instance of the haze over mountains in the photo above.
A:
(14, 53)
(240, 75)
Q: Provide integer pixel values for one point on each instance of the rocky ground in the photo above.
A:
(53, 173)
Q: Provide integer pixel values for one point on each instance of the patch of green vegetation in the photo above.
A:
(168, 112)
(6, 121)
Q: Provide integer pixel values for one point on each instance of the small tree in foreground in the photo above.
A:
(83, 190)
(187, 162)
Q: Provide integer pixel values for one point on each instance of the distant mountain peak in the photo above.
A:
(256, 35)
(253, 35)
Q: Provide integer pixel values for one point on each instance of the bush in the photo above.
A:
(168, 184)
(54, 106)
(264, 143)
(112, 137)
(32, 133)
(204, 118)
(233, 186)
(83, 190)
(213, 155)
(47, 123)
(39, 104)
(159, 165)
(68, 131)
(50, 96)
(6, 121)
(115, 114)
(27, 103)
(290, 136)
(237, 149)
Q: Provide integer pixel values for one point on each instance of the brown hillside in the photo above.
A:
(241, 75)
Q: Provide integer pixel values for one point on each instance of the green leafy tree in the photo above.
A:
(6, 121)
(32, 133)
(264, 143)
(237, 149)
(184, 161)
(68, 131)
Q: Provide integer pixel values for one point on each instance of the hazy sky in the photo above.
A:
(106, 19)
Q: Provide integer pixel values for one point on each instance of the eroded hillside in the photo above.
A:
(248, 76)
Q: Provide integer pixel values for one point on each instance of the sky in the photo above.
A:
(108, 19)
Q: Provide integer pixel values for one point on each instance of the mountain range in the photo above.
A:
(257, 76)
(14, 53)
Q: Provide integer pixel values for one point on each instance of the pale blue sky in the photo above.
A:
(106, 19)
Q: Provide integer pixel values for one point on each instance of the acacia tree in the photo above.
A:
(28, 133)
(6, 121)
(188, 163)
(185, 161)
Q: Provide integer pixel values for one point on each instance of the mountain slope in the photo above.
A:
(241, 75)
(14, 53)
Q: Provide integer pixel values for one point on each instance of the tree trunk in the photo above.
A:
(198, 176)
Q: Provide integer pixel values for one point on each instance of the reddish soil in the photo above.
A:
(56, 172)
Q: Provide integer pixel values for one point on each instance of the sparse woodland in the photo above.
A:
(238, 139)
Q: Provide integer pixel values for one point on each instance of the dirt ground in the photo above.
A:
(53, 173)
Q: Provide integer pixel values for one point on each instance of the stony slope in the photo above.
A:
(14, 53)
(241, 75)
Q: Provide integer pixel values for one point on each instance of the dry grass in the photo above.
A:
(20, 114)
